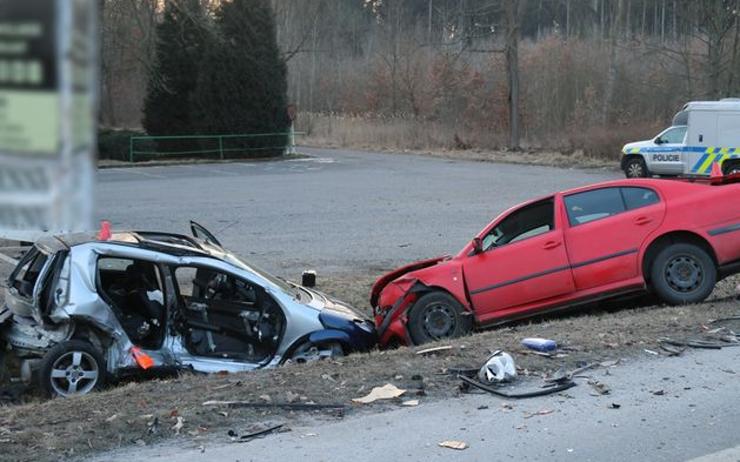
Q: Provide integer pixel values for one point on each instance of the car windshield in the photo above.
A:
(284, 285)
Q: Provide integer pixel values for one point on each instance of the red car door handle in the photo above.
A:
(642, 220)
(551, 245)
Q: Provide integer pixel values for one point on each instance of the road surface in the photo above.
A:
(336, 211)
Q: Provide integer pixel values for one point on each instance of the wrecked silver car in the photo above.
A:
(81, 310)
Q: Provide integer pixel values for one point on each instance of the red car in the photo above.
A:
(676, 238)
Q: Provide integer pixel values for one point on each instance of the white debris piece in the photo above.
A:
(499, 367)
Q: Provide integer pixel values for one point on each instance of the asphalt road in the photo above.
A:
(671, 409)
(336, 211)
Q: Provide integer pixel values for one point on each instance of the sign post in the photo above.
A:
(48, 109)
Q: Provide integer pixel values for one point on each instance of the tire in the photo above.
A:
(72, 368)
(635, 167)
(436, 316)
(683, 273)
(730, 166)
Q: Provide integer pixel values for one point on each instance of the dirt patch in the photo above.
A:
(147, 412)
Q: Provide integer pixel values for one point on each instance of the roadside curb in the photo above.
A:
(106, 166)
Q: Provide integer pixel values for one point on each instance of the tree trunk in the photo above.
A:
(429, 21)
(513, 12)
(611, 77)
(732, 90)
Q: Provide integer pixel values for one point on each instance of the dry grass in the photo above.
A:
(48, 430)
(595, 148)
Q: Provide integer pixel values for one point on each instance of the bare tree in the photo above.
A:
(513, 14)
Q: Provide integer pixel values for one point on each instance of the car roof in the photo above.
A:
(654, 183)
(169, 243)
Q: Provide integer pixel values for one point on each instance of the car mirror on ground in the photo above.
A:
(308, 279)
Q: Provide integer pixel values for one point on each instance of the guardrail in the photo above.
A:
(220, 146)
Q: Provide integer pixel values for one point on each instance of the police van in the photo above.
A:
(703, 133)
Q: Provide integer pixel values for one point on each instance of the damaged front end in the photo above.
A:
(393, 295)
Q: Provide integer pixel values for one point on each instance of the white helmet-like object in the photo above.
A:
(499, 367)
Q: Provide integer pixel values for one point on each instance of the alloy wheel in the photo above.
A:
(74, 373)
(635, 170)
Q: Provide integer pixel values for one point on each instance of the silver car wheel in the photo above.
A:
(308, 353)
(635, 170)
(74, 373)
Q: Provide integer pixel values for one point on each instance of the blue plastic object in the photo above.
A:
(540, 344)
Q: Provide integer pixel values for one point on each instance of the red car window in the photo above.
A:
(529, 221)
(635, 198)
(593, 205)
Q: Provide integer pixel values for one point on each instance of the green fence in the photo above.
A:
(211, 146)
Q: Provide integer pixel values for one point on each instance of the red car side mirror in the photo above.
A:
(477, 246)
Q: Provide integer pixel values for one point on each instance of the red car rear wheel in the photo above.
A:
(683, 273)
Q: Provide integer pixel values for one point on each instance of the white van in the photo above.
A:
(702, 134)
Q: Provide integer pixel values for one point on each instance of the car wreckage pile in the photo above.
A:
(84, 309)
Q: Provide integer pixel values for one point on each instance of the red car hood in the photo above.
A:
(384, 280)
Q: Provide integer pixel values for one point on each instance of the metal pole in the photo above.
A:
(221, 146)
(291, 148)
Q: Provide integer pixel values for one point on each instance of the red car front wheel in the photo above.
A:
(436, 316)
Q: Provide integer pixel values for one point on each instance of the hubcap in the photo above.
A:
(74, 373)
(634, 170)
(439, 320)
(684, 273)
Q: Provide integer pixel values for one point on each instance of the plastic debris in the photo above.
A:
(456, 445)
(438, 349)
(548, 389)
(387, 391)
(499, 367)
(600, 387)
(235, 437)
(540, 344)
(410, 403)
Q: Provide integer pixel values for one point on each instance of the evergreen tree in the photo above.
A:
(172, 81)
(242, 81)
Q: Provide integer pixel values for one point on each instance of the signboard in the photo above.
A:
(29, 101)
(48, 109)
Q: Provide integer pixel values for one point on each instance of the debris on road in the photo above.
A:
(600, 387)
(287, 406)
(540, 412)
(236, 438)
(456, 445)
(410, 403)
(438, 349)
(704, 344)
(388, 391)
(672, 351)
(651, 352)
(499, 367)
(614, 406)
(540, 344)
(178, 425)
(548, 389)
